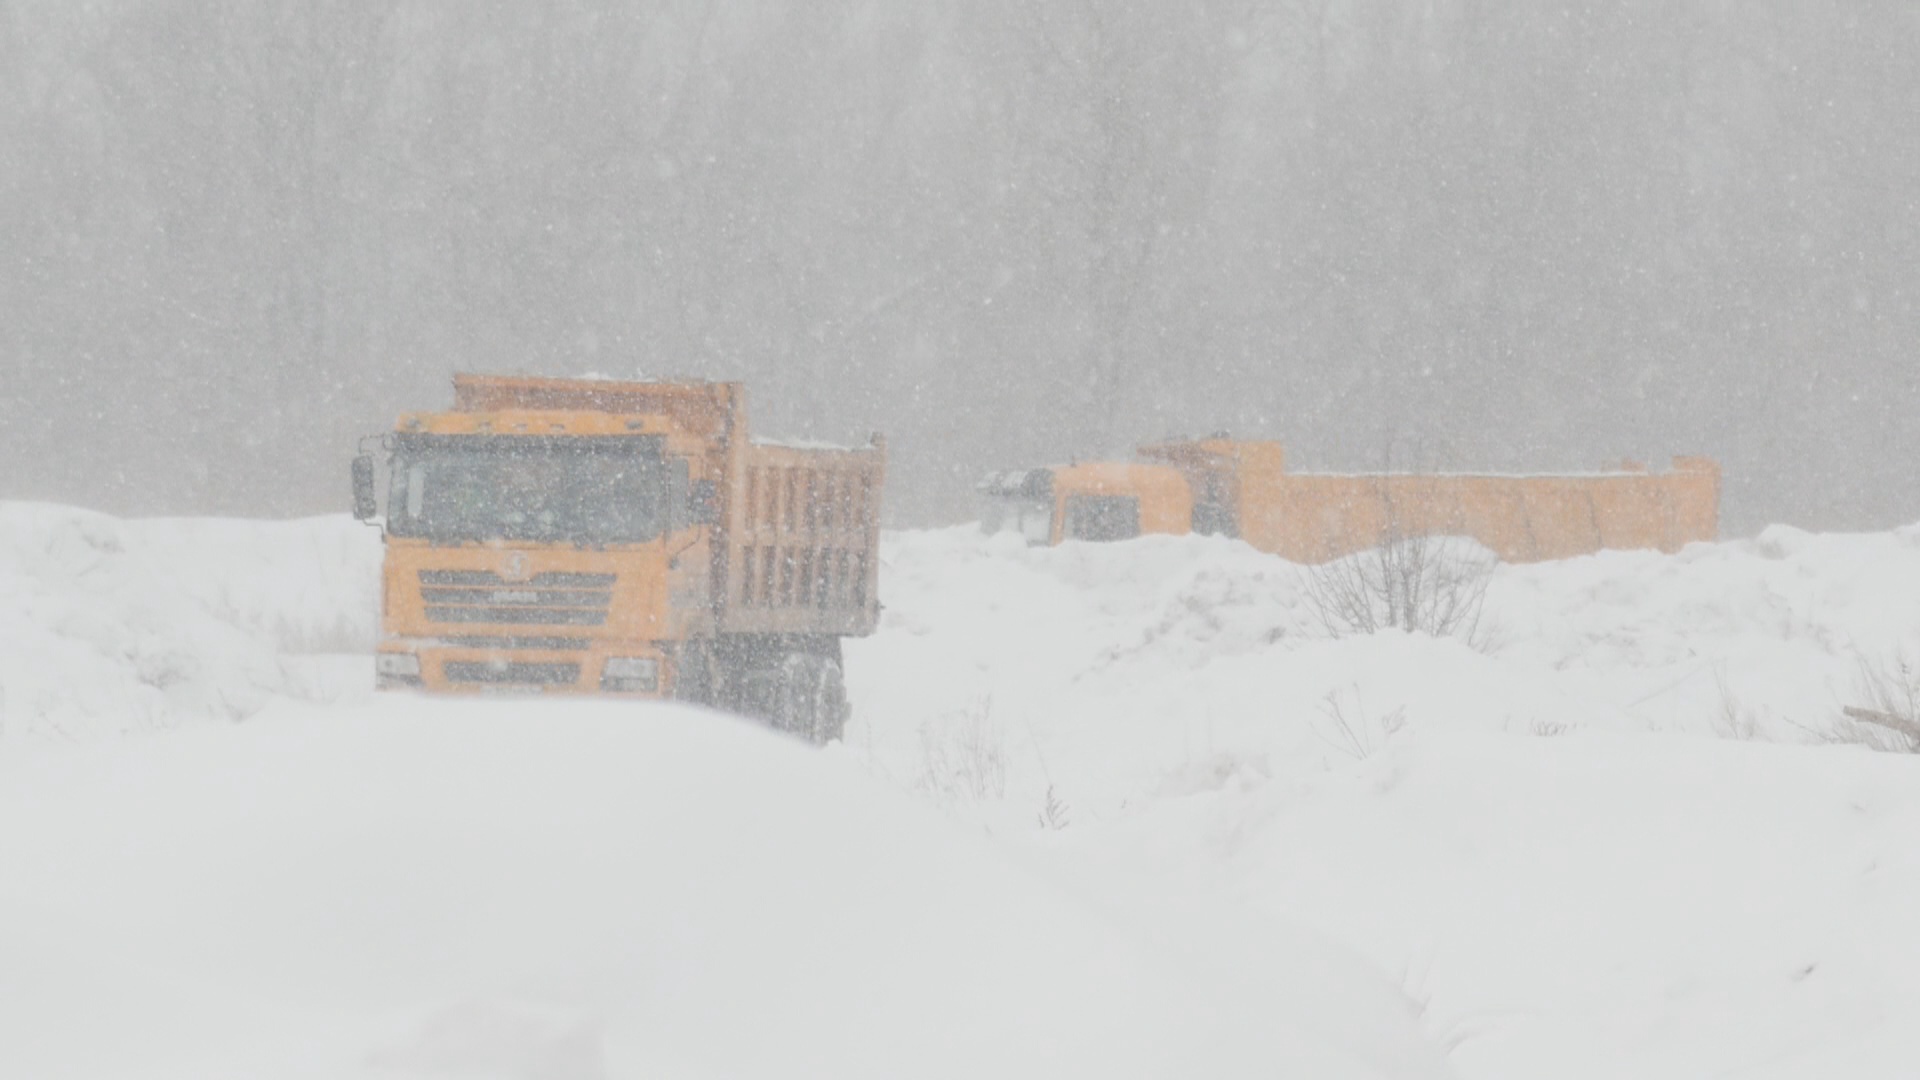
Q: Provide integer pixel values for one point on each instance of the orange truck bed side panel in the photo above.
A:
(703, 409)
(803, 540)
(1311, 517)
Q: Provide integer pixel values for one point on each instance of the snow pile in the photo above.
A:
(1609, 841)
(122, 626)
(585, 891)
(1592, 905)
(1775, 627)
(308, 586)
(1182, 661)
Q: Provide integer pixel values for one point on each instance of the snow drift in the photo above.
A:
(1118, 672)
(115, 627)
(573, 892)
(1607, 842)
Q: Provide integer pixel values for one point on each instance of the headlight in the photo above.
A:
(630, 674)
(631, 667)
(396, 663)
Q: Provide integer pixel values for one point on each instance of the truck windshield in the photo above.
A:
(1031, 518)
(599, 490)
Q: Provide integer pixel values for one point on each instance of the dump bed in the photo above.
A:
(803, 540)
(1311, 517)
(710, 416)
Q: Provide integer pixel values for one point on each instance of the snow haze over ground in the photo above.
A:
(1120, 810)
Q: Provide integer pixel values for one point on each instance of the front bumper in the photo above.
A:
(638, 669)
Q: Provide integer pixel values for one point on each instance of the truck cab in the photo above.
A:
(1098, 502)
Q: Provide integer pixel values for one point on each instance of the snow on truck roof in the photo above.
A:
(1485, 474)
(804, 444)
(1478, 475)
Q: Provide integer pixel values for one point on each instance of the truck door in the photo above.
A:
(1213, 513)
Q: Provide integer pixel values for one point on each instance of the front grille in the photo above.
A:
(531, 616)
(550, 578)
(550, 598)
(556, 644)
(440, 594)
(513, 674)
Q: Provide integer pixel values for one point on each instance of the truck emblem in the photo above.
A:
(516, 567)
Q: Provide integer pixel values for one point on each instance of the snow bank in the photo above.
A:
(1602, 839)
(306, 586)
(1127, 670)
(122, 626)
(1605, 842)
(1592, 905)
(576, 892)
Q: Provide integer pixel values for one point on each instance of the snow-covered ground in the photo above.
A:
(568, 892)
(1608, 842)
(116, 627)
(1102, 810)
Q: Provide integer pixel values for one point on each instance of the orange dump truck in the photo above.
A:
(625, 538)
(1242, 488)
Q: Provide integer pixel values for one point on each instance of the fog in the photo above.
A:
(1540, 234)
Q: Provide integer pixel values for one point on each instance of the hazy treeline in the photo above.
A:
(1507, 233)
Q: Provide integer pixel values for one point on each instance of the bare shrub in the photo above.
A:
(1890, 718)
(1734, 720)
(1416, 986)
(1054, 815)
(1355, 732)
(962, 755)
(1414, 581)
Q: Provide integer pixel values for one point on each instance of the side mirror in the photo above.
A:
(365, 507)
(703, 503)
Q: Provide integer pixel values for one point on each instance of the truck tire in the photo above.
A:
(693, 675)
(811, 700)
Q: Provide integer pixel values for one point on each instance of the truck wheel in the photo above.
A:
(812, 698)
(693, 675)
